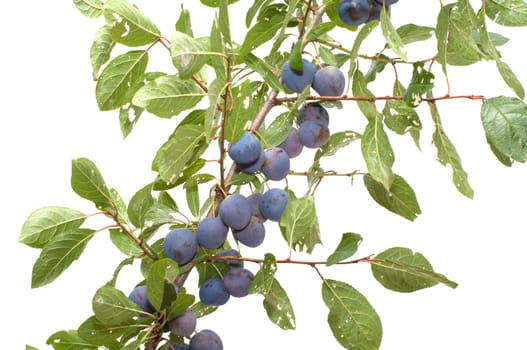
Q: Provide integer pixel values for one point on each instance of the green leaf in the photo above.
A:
(511, 13)
(188, 54)
(177, 153)
(69, 340)
(401, 270)
(360, 90)
(262, 282)
(377, 152)
(279, 308)
(411, 33)
(447, 154)
(361, 36)
(45, 223)
(182, 303)
(101, 49)
(278, 130)
(354, 322)
(399, 199)
(89, 8)
(299, 224)
(215, 3)
(112, 307)
(244, 109)
(128, 118)
(58, 254)
(261, 33)
(125, 243)
(348, 246)
(95, 332)
(262, 68)
(223, 20)
(129, 25)
(160, 287)
(87, 182)
(442, 35)
(505, 123)
(168, 95)
(120, 79)
(202, 310)
(139, 205)
(183, 23)
(421, 83)
(391, 35)
(29, 347)
(336, 141)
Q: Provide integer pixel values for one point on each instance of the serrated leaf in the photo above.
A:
(421, 83)
(87, 182)
(261, 33)
(112, 307)
(58, 254)
(505, 123)
(89, 8)
(348, 246)
(125, 243)
(168, 95)
(410, 33)
(511, 13)
(139, 205)
(278, 130)
(262, 282)
(129, 25)
(399, 199)
(181, 148)
(119, 80)
(45, 223)
(391, 35)
(101, 49)
(188, 54)
(336, 141)
(69, 340)
(95, 332)
(279, 308)
(299, 224)
(402, 270)
(160, 287)
(377, 152)
(353, 320)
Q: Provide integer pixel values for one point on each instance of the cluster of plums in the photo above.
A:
(326, 80)
(183, 325)
(357, 12)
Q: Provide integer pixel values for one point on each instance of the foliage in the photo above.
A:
(222, 89)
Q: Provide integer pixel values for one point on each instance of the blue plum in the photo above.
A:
(237, 282)
(230, 252)
(246, 149)
(292, 145)
(178, 346)
(375, 12)
(312, 134)
(255, 166)
(296, 80)
(329, 81)
(138, 296)
(276, 164)
(313, 111)
(211, 232)
(184, 324)
(235, 211)
(273, 203)
(251, 235)
(213, 293)
(180, 245)
(205, 340)
(254, 199)
(354, 12)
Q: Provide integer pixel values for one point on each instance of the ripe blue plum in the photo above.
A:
(329, 81)
(315, 112)
(230, 252)
(254, 199)
(237, 282)
(273, 203)
(276, 164)
(235, 211)
(246, 149)
(213, 293)
(138, 296)
(354, 12)
(292, 145)
(312, 134)
(211, 232)
(178, 346)
(251, 235)
(375, 12)
(296, 80)
(184, 324)
(205, 340)
(180, 245)
(255, 166)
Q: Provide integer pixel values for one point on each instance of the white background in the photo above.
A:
(50, 117)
